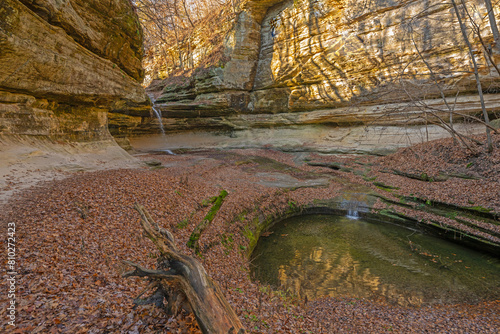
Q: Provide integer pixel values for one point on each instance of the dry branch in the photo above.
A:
(181, 277)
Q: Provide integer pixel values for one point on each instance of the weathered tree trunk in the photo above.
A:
(181, 276)
(493, 25)
(463, 28)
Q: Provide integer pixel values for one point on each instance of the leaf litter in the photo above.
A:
(72, 235)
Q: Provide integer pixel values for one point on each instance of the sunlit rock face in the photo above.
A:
(328, 54)
(65, 64)
(352, 62)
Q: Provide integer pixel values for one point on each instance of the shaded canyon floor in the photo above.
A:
(73, 233)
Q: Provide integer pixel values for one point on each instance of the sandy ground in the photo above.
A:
(24, 163)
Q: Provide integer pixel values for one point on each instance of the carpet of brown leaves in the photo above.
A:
(72, 235)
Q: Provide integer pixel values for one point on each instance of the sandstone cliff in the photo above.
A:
(64, 65)
(333, 63)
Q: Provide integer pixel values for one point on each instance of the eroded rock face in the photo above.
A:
(65, 64)
(331, 54)
(335, 62)
(107, 28)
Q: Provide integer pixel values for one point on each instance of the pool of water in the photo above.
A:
(325, 255)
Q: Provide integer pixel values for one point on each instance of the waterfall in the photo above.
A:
(160, 121)
(158, 114)
(352, 208)
(352, 214)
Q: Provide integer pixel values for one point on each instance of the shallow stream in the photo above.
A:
(325, 255)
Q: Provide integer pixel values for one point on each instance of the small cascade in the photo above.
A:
(160, 121)
(157, 114)
(169, 152)
(352, 208)
(352, 214)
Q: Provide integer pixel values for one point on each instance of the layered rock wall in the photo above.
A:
(352, 62)
(65, 64)
(329, 54)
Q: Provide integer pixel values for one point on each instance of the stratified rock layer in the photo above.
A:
(336, 63)
(65, 64)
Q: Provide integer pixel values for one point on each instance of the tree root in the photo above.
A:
(182, 282)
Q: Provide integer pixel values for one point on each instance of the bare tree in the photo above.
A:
(172, 26)
(493, 24)
(463, 29)
(421, 111)
(477, 31)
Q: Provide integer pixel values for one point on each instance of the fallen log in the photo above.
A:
(181, 278)
(198, 230)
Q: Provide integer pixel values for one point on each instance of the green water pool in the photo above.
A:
(326, 255)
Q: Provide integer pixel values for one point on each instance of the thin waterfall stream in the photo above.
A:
(160, 121)
(157, 114)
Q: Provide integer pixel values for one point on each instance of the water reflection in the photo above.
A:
(334, 256)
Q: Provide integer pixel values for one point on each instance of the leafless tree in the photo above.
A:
(421, 111)
(171, 27)
(493, 24)
(463, 29)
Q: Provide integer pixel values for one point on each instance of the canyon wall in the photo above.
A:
(64, 64)
(324, 65)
